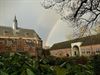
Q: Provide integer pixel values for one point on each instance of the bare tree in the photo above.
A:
(97, 28)
(83, 13)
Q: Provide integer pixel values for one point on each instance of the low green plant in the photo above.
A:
(23, 64)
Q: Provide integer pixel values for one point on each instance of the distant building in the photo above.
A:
(15, 39)
(85, 46)
(46, 47)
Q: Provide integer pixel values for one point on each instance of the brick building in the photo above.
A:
(85, 46)
(15, 39)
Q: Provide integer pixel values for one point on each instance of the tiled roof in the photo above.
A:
(19, 32)
(89, 40)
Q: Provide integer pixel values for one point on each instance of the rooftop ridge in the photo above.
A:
(93, 39)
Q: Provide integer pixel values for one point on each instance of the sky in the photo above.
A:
(30, 14)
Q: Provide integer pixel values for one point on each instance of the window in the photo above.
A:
(75, 53)
(83, 52)
(9, 42)
(98, 50)
(67, 55)
(6, 32)
(93, 53)
(17, 33)
(2, 41)
(88, 52)
(83, 49)
(27, 34)
(28, 40)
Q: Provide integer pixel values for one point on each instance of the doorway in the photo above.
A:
(76, 51)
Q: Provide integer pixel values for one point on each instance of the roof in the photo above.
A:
(89, 40)
(20, 32)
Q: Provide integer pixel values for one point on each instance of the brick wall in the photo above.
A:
(18, 45)
(61, 52)
(85, 50)
(90, 50)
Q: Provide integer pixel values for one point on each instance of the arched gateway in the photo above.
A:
(75, 49)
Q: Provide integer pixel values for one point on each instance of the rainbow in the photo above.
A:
(51, 32)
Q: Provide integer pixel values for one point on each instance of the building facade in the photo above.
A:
(85, 46)
(15, 39)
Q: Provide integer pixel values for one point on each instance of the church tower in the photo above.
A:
(15, 24)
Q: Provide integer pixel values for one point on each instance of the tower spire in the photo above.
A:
(15, 18)
(15, 23)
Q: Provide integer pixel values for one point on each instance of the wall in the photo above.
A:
(61, 52)
(90, 50)
(85, 51)
(18, 45)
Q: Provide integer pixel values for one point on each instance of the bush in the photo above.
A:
(23, 64)
(96, 64)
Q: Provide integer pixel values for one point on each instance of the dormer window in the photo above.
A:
(27, 34)
(6, 33)
(17, 33)
(28, 40)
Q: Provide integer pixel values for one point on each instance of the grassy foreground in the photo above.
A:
(23, 64)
